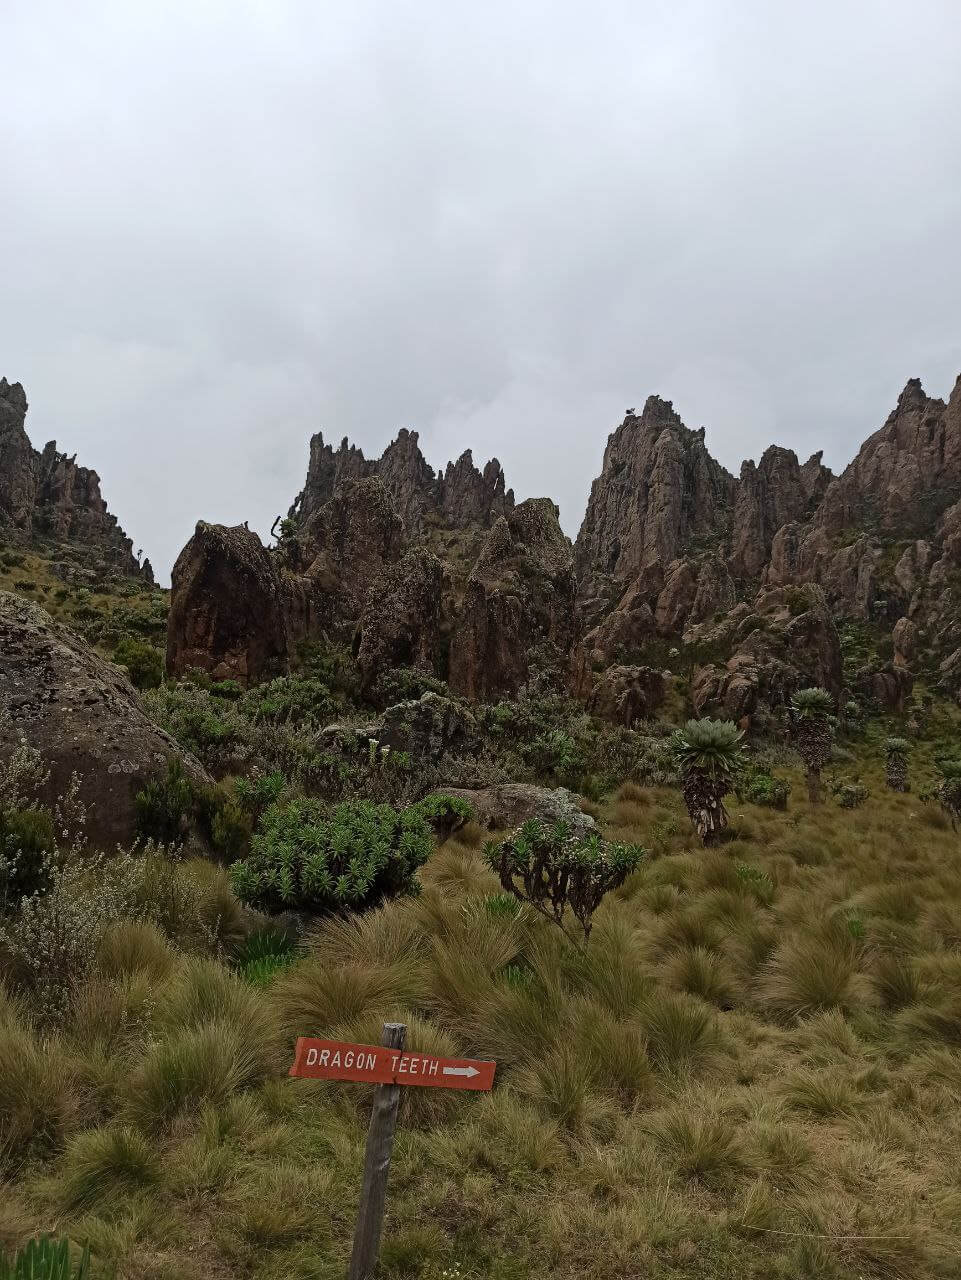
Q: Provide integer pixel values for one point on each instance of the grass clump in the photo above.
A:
(101, 1163)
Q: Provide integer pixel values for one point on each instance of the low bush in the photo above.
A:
(164, 806)
(27, 845)
(757, 786)
(144, 663)
(306, 857)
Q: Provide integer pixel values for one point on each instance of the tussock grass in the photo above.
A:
(38, 1102)
(825, 1092)
(703, 973)
(756, 1055)
(101, 1163)
(682, 1033)
(204, 1064)
(130, 948)
(810, 972)
(313, 998)
(697, 1142)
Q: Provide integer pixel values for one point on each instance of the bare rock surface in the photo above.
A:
(519, 599)
(506, 807)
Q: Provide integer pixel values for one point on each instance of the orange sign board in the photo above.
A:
(373, 1064)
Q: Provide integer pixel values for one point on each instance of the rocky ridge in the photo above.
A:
(46, 497)
(745, 578)
(458, 496)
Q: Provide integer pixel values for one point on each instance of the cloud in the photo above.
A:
(226, 225)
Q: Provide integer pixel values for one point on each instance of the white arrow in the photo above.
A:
(461, 1071)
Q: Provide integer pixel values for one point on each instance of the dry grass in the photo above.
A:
(752, 1072)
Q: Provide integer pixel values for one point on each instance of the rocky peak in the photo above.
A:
(768, 496)
(457, 497)
(659, 492)
(47, 495)
(469, 496)
(905, 475)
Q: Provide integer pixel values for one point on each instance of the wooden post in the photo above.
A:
(380, 1144)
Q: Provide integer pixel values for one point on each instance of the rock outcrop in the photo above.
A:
(672, 555)
(81, 713)
(776, 650)
(403, 623)
(518, 606)
(232, 612)
(769, 496)
(625, 695)
(46, 497)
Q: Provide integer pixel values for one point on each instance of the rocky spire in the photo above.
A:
(659, 492)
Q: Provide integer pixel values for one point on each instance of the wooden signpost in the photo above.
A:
(391, 1068)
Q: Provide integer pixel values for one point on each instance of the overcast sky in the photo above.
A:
(225, 225)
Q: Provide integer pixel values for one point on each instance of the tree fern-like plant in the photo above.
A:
(812, 730)
(709, 757)
(45, 1259)
(896, 763)
(555, 869)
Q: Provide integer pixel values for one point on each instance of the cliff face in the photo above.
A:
(48, 497)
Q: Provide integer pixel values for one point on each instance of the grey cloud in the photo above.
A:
(225, 226)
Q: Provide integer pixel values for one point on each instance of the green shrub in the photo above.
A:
(27, 844)
(144, 663)
(164, 806)
(306, 857)
(228, 689)
(266, 952)
(757, 786)
(850, 794)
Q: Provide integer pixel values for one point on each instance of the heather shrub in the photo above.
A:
(27, 847)
(164, 806)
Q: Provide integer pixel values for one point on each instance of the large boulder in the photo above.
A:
(230, 608)
(81, 713)
(506, 807)
(888, 685)
(426, 728)
(519, 603)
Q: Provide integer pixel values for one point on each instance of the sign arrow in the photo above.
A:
(380, 1064)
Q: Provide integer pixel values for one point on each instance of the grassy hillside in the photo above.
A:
(753, 1071)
